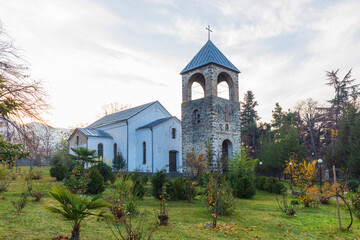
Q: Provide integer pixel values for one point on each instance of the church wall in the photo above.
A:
(82, 140)
(150, 114)
(163, 144)
(143, 135)
(119, 133)
(108, 146)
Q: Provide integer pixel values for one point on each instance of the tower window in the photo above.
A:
(196, 116)
(100, 150)
(226, 127)
(144, 152)
(173, 133)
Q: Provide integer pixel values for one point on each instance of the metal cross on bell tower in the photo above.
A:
(209, 30)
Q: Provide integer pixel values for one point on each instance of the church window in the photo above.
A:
(100, 150)
(77, 140)
(226, 127)
(144, 152)
(173, 133)
(115, 150)
(196, 116)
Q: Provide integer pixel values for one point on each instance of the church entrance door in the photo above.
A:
(172, 161)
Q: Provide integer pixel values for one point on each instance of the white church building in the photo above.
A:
(148, 137)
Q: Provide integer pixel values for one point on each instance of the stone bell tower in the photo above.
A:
(210, 119)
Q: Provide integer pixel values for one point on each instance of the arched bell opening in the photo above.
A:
(225, 87)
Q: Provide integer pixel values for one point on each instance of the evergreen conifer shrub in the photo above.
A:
(59, 172)
(96, 182)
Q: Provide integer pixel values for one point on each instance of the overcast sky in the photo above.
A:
(91, 53)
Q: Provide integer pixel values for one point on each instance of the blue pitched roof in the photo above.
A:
(155, 123)
(209, 53)
(119, 116)
(94, 133)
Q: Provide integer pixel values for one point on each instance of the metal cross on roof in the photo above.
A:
(209, 30)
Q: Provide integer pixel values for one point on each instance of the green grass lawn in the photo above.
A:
(256, 218)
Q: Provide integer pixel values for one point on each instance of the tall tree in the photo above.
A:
(249, 118)
(343, 90)
(278, 116)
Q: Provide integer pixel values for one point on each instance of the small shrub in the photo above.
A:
(96, 182)
(59, 172)
(242, 185)
(21, 204)
(145, 179)
(269, 183)
(204, 179)
(277, 187)
(158, 181)
(4, 185)
(33, 175)
(311, 198)
(355, 200)
(353, 184)
(138, 189)
(179, 190)
(105, 171)
(132, 205)
(78, 180)
(226, 201)
(260, 182)
(189, 189)
(135, 176)
(284, 206)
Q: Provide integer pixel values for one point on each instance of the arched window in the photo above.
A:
(196, 116)
(144, 152)
(77, 141)
(226, 127)
(100, 150)
(115, 150)
(173, 133)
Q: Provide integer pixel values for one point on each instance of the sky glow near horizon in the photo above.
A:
(92, 53)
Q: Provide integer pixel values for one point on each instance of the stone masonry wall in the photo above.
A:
(214, 112)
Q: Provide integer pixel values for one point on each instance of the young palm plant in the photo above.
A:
(75, 208)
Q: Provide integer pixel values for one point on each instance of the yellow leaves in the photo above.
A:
(302, 172)
(334, 134)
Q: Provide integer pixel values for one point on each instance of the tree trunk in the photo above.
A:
(75, 233)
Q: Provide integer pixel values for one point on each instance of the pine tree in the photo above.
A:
(249, 118)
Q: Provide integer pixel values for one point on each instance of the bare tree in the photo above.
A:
(27, 94)
(114, 107)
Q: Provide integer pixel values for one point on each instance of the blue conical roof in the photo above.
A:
(209, 53)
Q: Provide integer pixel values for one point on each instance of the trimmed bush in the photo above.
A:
(96, 182)
(268, 184)
(277, 187)
(105, 171)
(158, 181)
(242, 185)
(260, 182)
(59, 172)
(179, 190)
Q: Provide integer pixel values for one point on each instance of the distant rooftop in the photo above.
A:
(209, 53)
(155, 123)
(94, 133)
(119, 116)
